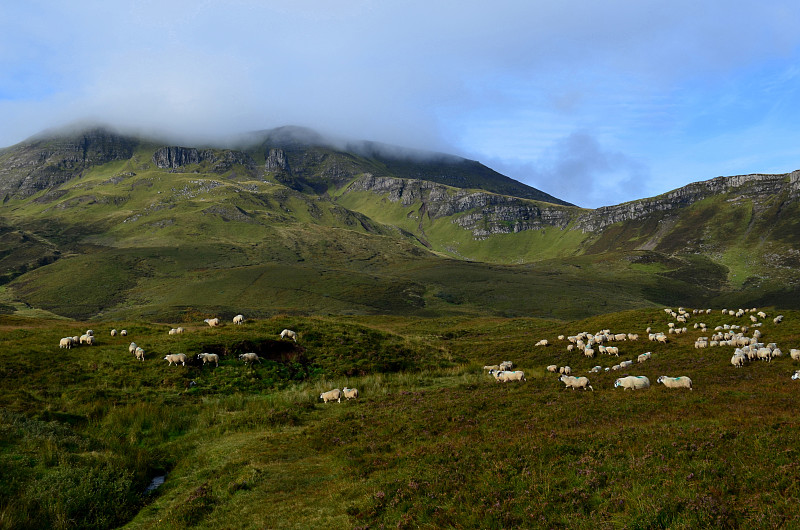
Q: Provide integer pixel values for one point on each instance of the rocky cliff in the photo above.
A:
(174, 157)
(47, 161)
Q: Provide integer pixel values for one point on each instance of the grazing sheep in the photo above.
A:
(595, 370)
(566, 370)
(675, 382)
(561, 337)
(209, 358)
(84, 339)
(331, 395)
(132, 348)
(612, 350)
(495, 367)
(139, 354)
(552, 368)
(625, 364)
(238, 319)
(173, 358)
(350, 393)
(173, 331)
(794, 354)
(542, 342)
(796, 375)
(113, 332)
(570, 347)
(506, 365)
(250, 358)
(123, 333)
(213, 322)
(632, 382)
(289, 333)
(738, 360)
(66, 342)
(643, 357)
(589, 352)
(570, 381)
(505, 377)
(89, 332)
(778, 319)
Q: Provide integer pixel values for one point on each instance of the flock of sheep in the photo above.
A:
(748, 348)
(89, 338)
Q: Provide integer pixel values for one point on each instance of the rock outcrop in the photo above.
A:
(174, 157)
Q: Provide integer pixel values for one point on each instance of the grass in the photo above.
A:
(431, 442)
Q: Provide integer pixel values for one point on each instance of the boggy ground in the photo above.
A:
(431, 442)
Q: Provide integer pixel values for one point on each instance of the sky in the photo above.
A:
(596, 103)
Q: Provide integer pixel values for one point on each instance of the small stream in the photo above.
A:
(155, 484)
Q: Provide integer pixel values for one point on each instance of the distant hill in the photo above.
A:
(98, 223)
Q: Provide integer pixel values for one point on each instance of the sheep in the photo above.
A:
(132, 348)
(495, 367)
(173, 358)
(566, 370)
(778, 319)
(250, 358)
(661, 338)
(612, 350)
(113, 332)
(140, 354)
(89, 332)
(66, 342)
(632, 382)
(762, 314)
(794, 354)
(589, 352)
(173, 331)
(643, 357)
(84, 338)
(675, 382)
(208, 358)
(505, 377)
(796, 375)
(633, 336)
(213, 322)
(506, 365)
(570, 381)
(570, 347)
(554, 368)
(561, 337)
(238, 319)
(596, 369)
(289, 333)
(542, 342)
(737, 360)
(350, 393)
(331, 395)
(123, 333)
(625, 364)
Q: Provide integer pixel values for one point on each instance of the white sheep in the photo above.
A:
(737, 360)
(89, 332)
(570, 381)
(566, 370)
(643, 357)
(139, 354)
(552, 368)
(174, 358)
(238, 319)
(675, 382)
(632, 382)
(778, 319)
(612, 350)
(132, 347)
(570, 347)
(506, 365)
(84, 339)
(595, 370)
(589, 352)
(173, 331)
(505, 377)
(542, 342)
(113, 332)
(796, 375)
(491, 367)
(213, 322)
(625, 364)
(208, 358)
(331, 395)
(794, 354)
(66, 342)
(123, 333)
(350, 393)
(289, 333)
(250, 358)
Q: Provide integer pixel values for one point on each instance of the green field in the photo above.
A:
(431, 442)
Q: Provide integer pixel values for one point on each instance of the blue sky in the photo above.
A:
(594, 102)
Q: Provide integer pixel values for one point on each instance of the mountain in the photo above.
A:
(96, 223)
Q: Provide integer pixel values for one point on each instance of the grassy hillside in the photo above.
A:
(432, 440)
